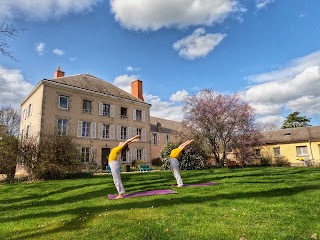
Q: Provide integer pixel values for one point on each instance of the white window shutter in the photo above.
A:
(119, 132)
(134, 114)
(100, 127)
(143, 116)
(112, 110)
(134, 131)
(93, 129)
(158, 139)
(143, 134)
(79, 134)
(100, 108)
(129, 132)
(129, 155)
(135, 154)
(111, 131)
(119, 157)
(144, 155)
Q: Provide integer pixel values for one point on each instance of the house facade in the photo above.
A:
(161, 132)
(97, 113)
(301, 146)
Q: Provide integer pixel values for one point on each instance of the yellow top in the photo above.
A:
(114, 153)
(175, 153)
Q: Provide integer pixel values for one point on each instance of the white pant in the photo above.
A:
(174, 163)
(115, 167)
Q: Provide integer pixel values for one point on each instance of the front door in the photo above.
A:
(104, 157)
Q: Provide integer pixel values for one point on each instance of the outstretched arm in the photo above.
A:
(130, 140)
(185, 144)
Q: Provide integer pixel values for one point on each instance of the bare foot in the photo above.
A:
(179, 185)
(119, 196)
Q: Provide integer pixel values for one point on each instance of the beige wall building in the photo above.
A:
(97, 113)
(162, 131)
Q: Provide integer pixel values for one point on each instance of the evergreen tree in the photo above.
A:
(294, 120)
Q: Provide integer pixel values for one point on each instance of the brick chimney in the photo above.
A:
(136, 89)
(58, 73)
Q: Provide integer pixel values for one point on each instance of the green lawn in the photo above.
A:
(255, 203)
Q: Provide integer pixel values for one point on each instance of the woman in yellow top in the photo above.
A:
(174, 163)
(115, 165)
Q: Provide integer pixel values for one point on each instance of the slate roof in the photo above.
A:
(167, 126)
(292, 135)
(92, 83)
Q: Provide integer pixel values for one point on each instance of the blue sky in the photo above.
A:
(268, 51)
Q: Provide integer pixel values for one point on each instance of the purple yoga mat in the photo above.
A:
(142, 194)
(197, 184)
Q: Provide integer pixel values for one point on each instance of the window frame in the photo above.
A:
(302, 153)
(67, 103)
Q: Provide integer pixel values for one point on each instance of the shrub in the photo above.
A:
(53, 157)
(265, 161)
(281, 161)
(156, 162)
(135, 163)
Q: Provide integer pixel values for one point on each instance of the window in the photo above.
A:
(106, 131)
(139, 154)
(87, 106)
(123, 112)
(62, 127)
(25, 114)
(30, 110)
(154, 139)
(106, 109)
(167, 138)
(86, 129)
(141, 131)
(138, 115)
(257, 153)
(123, 133)
(63, 102)
(85, 154)
(276, 152)
(319, 148)
(124, 156)
(302, 151)
(28, 131)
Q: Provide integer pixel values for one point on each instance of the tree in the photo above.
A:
(7, 31)
(294, 120)
(8, 156)
(224, 122)
(9, 121)
(9, 129)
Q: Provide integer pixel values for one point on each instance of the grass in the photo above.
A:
(254, 203)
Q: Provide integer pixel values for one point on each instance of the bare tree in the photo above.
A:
(9, 121)
(224, 122)
(7, 31)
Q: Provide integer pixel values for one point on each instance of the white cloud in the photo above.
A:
(293, 88)
(262, 3)
(156, 14)
(124, 82)
(36, 10)
(287, 72)
(274, 120)
(132, 69)
(164, 109)
(13, 87)
(58, 52)
(40, 48)
(178, 96)
(198, 44)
